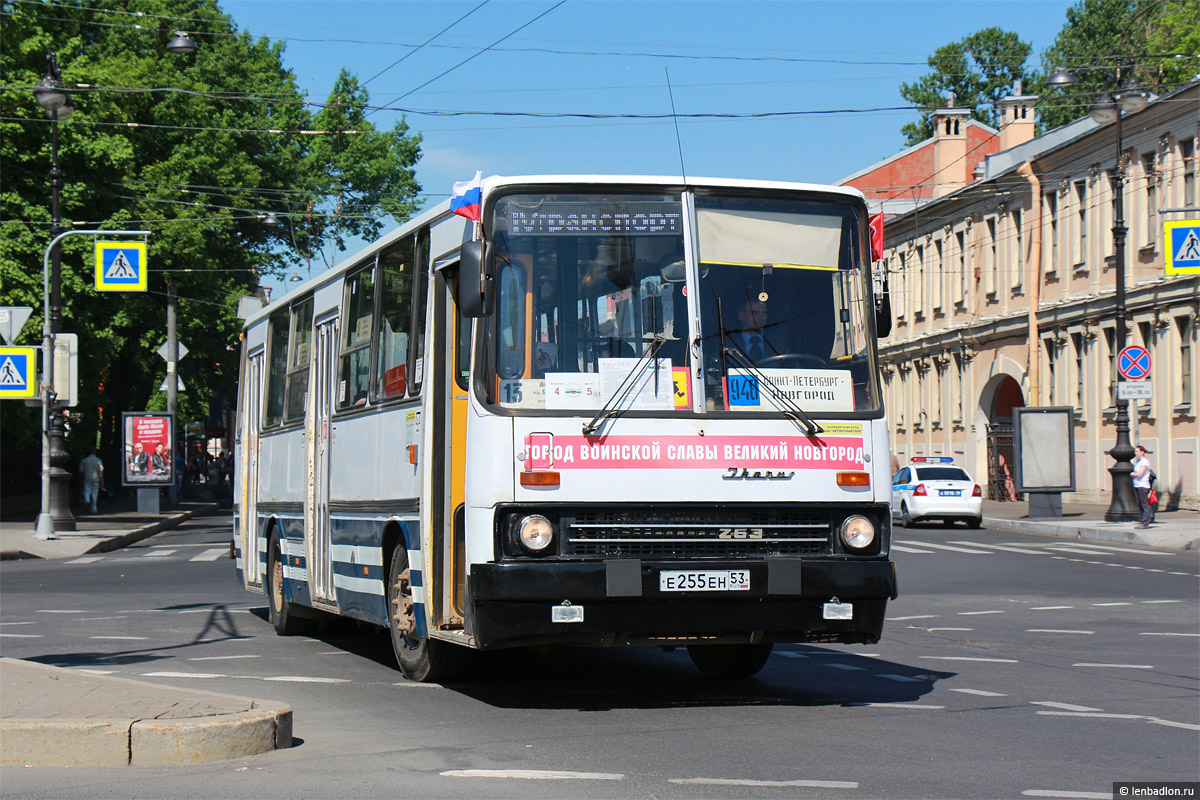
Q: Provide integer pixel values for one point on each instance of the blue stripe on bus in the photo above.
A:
(362, 605)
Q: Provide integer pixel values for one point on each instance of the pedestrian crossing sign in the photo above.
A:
(120, 266)
(17, 366)
(1182, 240)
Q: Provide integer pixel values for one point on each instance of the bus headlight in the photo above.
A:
(858, 533)
(535, 533)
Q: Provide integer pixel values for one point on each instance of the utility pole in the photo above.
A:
(172, 385)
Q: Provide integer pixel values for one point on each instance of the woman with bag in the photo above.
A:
(1143, 484)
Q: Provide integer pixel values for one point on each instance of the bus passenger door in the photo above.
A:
(247, 470)
(317, 424)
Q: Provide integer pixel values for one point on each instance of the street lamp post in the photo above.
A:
(1107, 108)
(56, 507)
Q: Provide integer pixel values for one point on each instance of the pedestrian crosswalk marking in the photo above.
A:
(211, 555)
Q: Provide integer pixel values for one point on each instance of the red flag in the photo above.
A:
(877, 236)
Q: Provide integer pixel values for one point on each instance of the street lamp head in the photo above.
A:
(1105, 110)
(271, 221)
(64, 111)
(1061, 78)
(50, 93)
(1132, 97)
(182, 45)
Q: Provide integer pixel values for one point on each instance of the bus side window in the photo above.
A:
(297, 376)
(277, 355)
(358, 314)
(510, 325)
(416, 359)
(395, 277)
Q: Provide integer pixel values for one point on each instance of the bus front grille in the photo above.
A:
(681, 533)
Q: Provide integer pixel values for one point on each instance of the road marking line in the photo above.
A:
(1177, 573)
(1185, 725)
(211, 555)
(1130, 566)
(21, 635)
(1114, 666)
(183, 675)
(1156, 602)
(903, 549)
(979, 692)
(29, 622)
(747, 782)
(1092, 714)
(158, 553)
(97, 619)
(904, 705)
(1057, 630)
(59, 611)
(85, 560)
(850, 667)
(122, 638)
(95, 671)
(302, 679)
(1155, 633)
(949, 547)
(414, 685)
(1064, 706)
(1091, 546)
(971, 658)
(1106, 605)
(1065, 795)
(787, 654)
(221, 658)
(1049, 608)
(901, 678)
(914, 616)
(1058, 548)
(949, 629)
(533, 774)
(1004, 548)
(977, 613)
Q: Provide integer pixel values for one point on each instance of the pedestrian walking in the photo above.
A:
(91, 468)
(1143, 482)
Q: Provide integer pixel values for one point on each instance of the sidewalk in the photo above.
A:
(1172, 530)
(57, 717)
(116, 525)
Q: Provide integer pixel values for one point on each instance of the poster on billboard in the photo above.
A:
(148, 440)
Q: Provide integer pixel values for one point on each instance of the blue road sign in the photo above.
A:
(16, 372)
(1134, 363)
(1182, 241)
(121, 266)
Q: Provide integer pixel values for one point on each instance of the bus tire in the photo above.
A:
(729, 660)
(282, 613)
(422, 660)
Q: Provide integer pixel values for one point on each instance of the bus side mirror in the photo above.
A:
(883, 301)
(476, 280)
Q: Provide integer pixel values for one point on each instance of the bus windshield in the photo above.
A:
(593, 305)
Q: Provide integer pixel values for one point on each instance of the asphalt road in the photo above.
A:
(1011, 666)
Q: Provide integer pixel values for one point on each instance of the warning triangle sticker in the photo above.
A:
(120, 269)
(9, 374)
(1190, 249)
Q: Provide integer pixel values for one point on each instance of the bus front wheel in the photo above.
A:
(283, 617)
(419, 659)
(729, 660)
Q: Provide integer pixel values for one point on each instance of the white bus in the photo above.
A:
(615, 411)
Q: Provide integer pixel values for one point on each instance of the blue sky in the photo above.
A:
(614, 57)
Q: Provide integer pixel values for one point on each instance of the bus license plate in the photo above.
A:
(949, 493)
(731, 580)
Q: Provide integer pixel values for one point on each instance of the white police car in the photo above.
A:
(935, 488)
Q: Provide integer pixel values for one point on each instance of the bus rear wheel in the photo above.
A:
(419, 659)
(729, 660)
(282, 614)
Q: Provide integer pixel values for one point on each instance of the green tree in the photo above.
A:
(978, 71)
(1137, 38)
(180, 146)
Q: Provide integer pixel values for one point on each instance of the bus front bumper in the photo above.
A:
(619, 601)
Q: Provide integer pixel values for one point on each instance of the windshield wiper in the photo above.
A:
(611, 408)
(795, 413)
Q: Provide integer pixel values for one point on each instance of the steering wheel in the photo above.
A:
(792, 361)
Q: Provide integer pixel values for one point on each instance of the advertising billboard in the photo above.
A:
(147, 444)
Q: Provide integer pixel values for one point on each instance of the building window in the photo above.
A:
(1151, 199)
(1018, 280)
(900, 290)
(1110, 339)
(1051, 378)
(1078, 345)
(939, 275)
(1081, 241)
(1187, 158)
(961, 389)
(993, 266)
(1052, 215)
(1184, 385)
(961, 241)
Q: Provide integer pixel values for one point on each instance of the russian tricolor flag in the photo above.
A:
(467, 196)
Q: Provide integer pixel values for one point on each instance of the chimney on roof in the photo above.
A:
(1017, 118)
(950, 169)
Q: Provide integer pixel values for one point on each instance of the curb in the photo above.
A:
(135, 535)
(159, 742)
(1068, 531)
